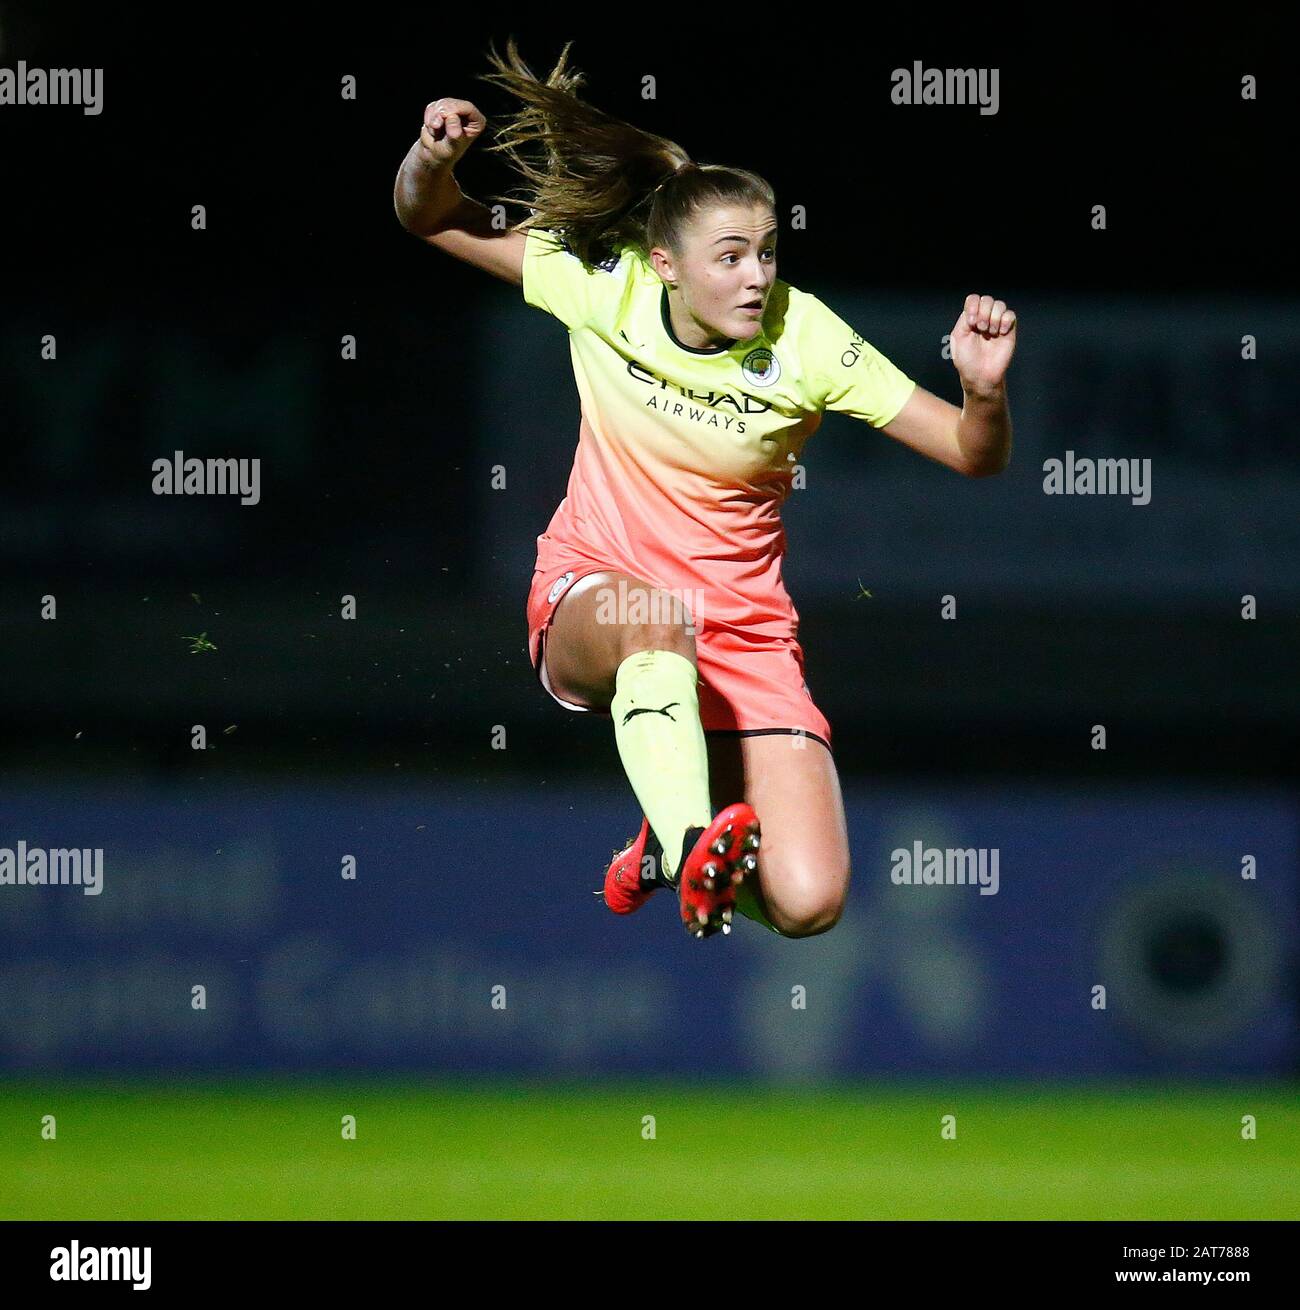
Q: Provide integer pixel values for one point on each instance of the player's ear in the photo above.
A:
(666, 264)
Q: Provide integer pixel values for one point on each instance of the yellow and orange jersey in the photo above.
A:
(686, 455)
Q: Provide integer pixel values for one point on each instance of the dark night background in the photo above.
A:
(375, 478)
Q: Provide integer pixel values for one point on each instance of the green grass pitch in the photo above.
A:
(273, 1149)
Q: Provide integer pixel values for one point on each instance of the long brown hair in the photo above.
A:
(606, 184)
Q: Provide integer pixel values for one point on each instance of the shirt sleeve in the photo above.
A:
(848, 374)
(558, 282)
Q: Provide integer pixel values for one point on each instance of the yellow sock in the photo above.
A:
(656, 712)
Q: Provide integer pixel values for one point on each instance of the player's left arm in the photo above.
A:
(976, 439)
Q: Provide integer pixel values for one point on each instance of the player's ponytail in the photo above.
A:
(606, 184)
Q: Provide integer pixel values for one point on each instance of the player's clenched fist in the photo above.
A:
(450, 128)
(983, 341)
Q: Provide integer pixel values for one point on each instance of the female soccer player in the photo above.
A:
(657, 597)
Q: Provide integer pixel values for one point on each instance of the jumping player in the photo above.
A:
(657, 598)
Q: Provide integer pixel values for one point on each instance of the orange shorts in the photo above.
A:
(749, 685)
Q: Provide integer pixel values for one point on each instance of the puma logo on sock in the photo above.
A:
(651, 710)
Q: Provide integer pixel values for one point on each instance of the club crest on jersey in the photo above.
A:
(560, 584)
(760, 367)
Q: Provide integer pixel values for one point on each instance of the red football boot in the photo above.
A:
(635, 873)
(716, 860)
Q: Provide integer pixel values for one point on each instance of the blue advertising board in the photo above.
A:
(468, 939)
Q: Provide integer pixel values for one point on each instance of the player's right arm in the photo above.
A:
(431, 205)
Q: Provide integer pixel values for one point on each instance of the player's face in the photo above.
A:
(728, 269)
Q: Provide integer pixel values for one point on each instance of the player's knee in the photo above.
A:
(657, 620)
(807, 908)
